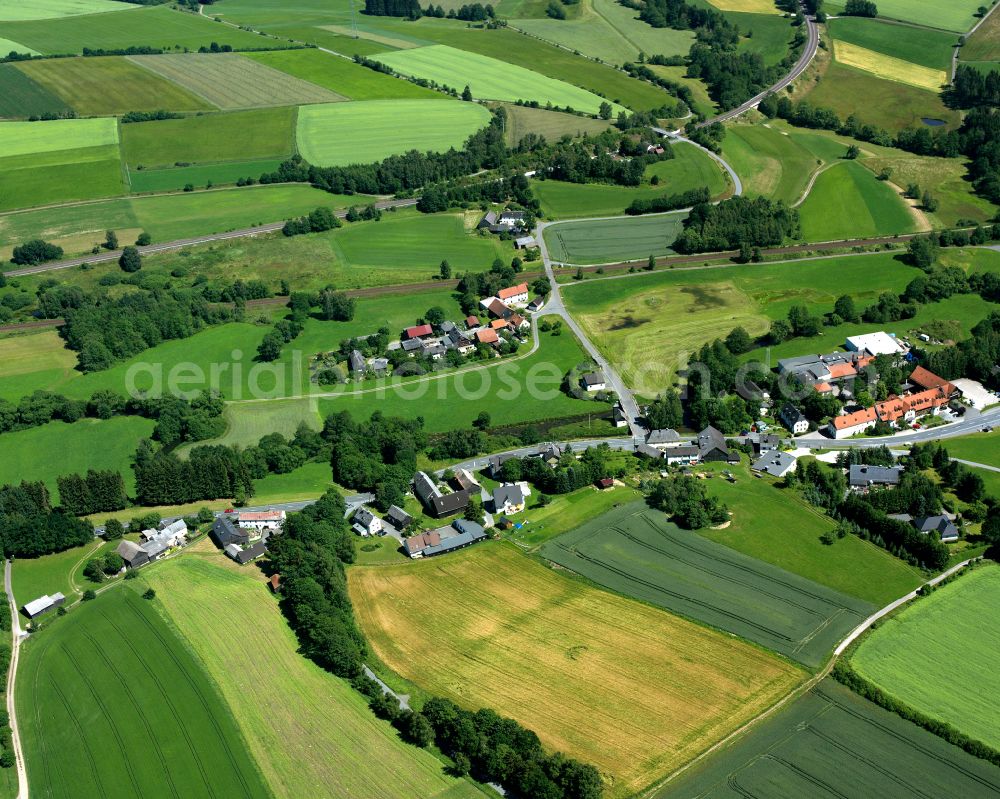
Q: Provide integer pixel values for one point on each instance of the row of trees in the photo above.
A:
(30, 526)
(95, 492)
(669, 202)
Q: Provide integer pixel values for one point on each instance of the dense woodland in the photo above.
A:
(756, 222)
(30, 526)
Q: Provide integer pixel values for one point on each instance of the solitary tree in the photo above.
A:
(149, 594)
(604, 110)
(467, 94)
(144, 239)
(445, 270)
(130, 259)
(113, 530)
(110, 240)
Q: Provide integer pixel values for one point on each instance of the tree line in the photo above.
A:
(30, 526)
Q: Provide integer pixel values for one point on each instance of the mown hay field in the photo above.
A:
(984, 44)
(489, 78)
(13, 10)
(230, 81)
(210, 138)
(612, 240)
(953, 15)
(747, 6)
(21, 97)
(923, 46)
(8, 46)
(553, 125)
(889, 67)
(41, 356)
(935, 655)
(634, 551)
(57, 176)
(342, 76)
(833, 742)
(155, 26)
(769, 163)
(309, 732)
(24, 138)
(364, 131)
(111, 703)
(622, 685)
(110, 85)
(848, 201)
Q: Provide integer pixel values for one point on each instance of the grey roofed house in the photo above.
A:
(549, 452)
(712, 446)
(434, 350)
(413, 345)
(155, 548)
(791, 417)
(748, 390)
(251, 553)
(648, 451)
(942, 524)
(488, 220)
(777, 464)
(132, 553)
(357, 361)
(536, 304)
(364, 517)
(860, 475)
(763, 443)
(437, 503)
(592, 379)
(494, 462)
(468, 533)
(224, 532)
(36, 607)
(684, 454)
(507, 495)
(447, 326)
(398, 517)
(380, 365)
(661, 437)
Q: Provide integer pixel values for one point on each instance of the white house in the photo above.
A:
(262, 520)
(852, 423)
(509, 498)
(593, 381)
(366, 522)
(515, 295)
(792, 418)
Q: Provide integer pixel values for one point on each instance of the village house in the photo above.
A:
(366, 523)
(225, 532)
(536, 304)
(496, 308)
(398, 518)
(793, 419)
(471, 322)
(487, 336)
(244, 555)
(663, 438)
(461, 534)
(495, 462)
(927, 380)
(850, 424)
(43, 604)
(514, 295)
(435, 501)
(712, 447)
(763, 443)
(683, 455)
(380, 366)
(356, 363)
(418, 332)
(776, 464)
(551, 453)
(861, 477)
(880, 343)
(593, 381)
(261, 521)
(942, 525)
(618, 417)
(820, 371)
(510, 498)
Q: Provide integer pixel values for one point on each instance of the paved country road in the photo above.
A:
(17, 637)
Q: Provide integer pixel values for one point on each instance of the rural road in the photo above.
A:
(808, 52)
(16, 637)
(113, 255)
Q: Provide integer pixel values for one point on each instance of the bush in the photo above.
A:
(34, 252)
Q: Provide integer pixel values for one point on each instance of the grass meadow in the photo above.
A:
(201, 176)
(489, 78)
(110, 85)
(60, 176)
(22, 97)
(689, 169)
(766, 34)
(369, 130)
(553, 125)
(54, 449)
(156, 26)
(309, 732)
(11, 11)
(35, 577)
(509, 634)
(306, 482)
(342, 76)
(979, 447)
(848, 201)
(30, 138)
(890, 68)
(984, 44)
(111, 703)
(921, 46)
(33, 361)
(210, 138)
(230, 81)
(827, 738)
(956, 15)
(777, 527)
(702, 102)
(612, 240)
(634, 551)
(930, 655)
(769, 163)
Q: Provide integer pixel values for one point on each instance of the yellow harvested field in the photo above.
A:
(632, 689)
(885, 66)
(310, 733)
(749, 6)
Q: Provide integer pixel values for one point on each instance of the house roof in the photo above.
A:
(927, 379)
(689, 451)
(473, 533)
(418, 543)
(262, 516)
(942, 524)
(175, 527)
(275, 581)
(498, 309)
(864, 416)
(472, 321)
(862, 475)
(43, 603)
(128, 550)
(418, 331)
(880, 343)
(513, 291)
(776, 463)
(606, 482)
(593, 379)
(496, 461)
(413, 345)
(487, 336)
(790, 414)
(251, 552)
(648, 451)
(424, 487)
(508, 494)
(516, 319)
(467, 526)
(499, 324)
(839, 370)
(398, 516)
(364, 516)
(662, 436)
(823, 387)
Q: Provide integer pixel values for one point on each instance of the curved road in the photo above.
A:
(808, 52)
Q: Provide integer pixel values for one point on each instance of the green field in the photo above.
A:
(702, 102)
(954, 15)
(35, 577)
(553, 125)
(210, 138)
(634, 551)
(769, 34)
(932, 656)
(928, 48)
(60, 176)
(111, 703)
(342, 76)
(46, 452)
(12, 10)
(690, 169)
(612, 240)
(29, 138)
(832, 742)
(847, 201)
(776, 526)
(369, 130)
(157, 26)
(509, 634)
(608, 31)
(309, 732)
(21, 97)
(769, 164)
(979, 447)
(306, 482)
(489, 78)
(7, 47)
(230, 81)
(31, 362)
(78, 228)
(175, 179)
(106, 86)
(888, 104)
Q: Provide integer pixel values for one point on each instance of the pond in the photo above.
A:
(934, 123)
